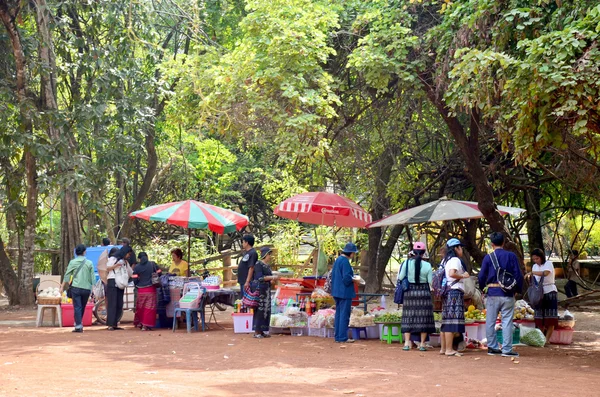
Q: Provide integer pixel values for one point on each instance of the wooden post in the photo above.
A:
(315, 261)
(227, 271)
(364, 269)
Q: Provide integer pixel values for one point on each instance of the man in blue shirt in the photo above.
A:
(498, 300)
(342, 290)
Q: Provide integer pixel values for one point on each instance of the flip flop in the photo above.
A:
(406, 348)
(258, 336)
(457, 354)
(422, 349)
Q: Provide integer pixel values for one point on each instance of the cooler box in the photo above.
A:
(289, 292)
(242, 323)
(68, 313)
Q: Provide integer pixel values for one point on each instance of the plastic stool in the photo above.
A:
(191, 317)
(390, 337)
(56, 312)
(356, 332)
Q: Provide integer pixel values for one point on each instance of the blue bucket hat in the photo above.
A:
(264, 251)
(453, 242)
(350, 248)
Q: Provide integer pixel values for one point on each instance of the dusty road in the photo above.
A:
(53, 362)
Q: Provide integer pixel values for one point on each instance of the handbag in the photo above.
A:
(536, 292)
(155, 278)
(469, 287)
(506, 279)
(249, 298)
(69, 293)
(401, 287)
(122, 276)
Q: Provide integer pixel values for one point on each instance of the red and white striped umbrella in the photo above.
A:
(322, 208)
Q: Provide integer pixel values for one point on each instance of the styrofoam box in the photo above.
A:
(471, 331)
(481, 332)
(242, 323)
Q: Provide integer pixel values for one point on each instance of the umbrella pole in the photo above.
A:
(189, 244)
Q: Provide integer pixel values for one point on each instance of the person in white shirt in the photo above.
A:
(453, 305)
(546, 313)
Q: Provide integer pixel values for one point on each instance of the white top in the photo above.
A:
(111, 262)
(454, 263)
(549, 285)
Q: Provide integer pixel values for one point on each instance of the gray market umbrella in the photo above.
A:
(443, 209)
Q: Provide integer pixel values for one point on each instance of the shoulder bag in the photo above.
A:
(506, 279)
(401, 286)
(535, 292)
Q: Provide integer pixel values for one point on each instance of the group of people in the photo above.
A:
(80, 278)
(417, 308)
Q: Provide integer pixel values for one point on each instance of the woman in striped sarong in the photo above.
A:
(145, 306)
(417, 307)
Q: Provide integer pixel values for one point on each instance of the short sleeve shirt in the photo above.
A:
(456, 264)
(179, 269)
(549, 285)
(248, 261)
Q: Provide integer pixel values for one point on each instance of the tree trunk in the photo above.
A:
(70, 221)
(9, 14)
(534, 220)
(26, 287)
(8, 277)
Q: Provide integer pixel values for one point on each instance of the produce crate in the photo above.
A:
(434, 340)
(471, 331)
(372, 332)
(562, 336)
(278, 330)
(516, 336)
(318, 332)
(299, 331)
(329, 333)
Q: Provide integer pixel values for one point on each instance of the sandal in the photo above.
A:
(406, 348)
(110, 328)
(457, 354)
(144, 328)
(422, 349)
(258, 336)
(266, 335)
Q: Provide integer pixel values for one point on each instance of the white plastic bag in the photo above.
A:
(122, 275)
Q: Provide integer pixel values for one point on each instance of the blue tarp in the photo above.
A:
(93, 254)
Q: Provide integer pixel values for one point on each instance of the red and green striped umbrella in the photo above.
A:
(193, 214)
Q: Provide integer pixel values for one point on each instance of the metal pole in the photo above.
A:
(189, 244)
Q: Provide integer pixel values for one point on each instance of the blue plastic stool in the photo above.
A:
(191, 318)
(356, 332)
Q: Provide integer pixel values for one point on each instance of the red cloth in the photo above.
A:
(145, 308)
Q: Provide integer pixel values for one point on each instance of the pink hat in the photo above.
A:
(419, 246)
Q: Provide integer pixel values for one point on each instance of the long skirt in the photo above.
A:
(145, 308)
(546, 314)
(453, 312)
(417, 310)
(261, 320)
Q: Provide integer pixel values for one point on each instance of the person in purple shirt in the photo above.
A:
(498, 300)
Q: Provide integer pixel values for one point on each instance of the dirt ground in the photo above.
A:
(52, 361)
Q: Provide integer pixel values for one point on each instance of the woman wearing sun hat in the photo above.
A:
(342, 290)
(417, 308)
(453, 305)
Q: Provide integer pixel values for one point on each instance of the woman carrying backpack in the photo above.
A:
(453, 304)
(417, 307)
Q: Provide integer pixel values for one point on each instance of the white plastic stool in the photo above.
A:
(56, 312)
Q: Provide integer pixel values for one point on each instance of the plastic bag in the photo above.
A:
(532, 337)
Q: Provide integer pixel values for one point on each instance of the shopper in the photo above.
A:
(248, 261)
(79, 278)
(546, 313)
(179, 267)
(132, 258)
(498, 300)
(145, 307)
(114, 294)
(262, 277)
(342, 290)
(417, 309)
(453, 305)
(105, 242)
(573, 270)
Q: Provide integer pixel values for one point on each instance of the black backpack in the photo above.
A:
(506, 279)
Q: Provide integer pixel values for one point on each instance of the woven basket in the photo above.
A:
(45, 300)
